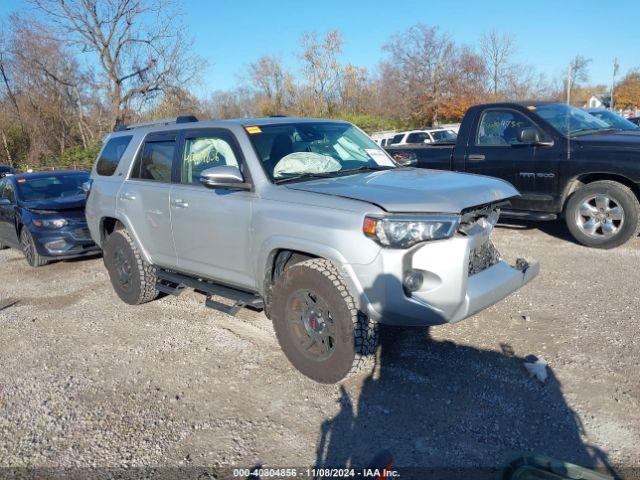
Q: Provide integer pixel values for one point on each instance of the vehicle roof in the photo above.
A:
(46, 174)
(525, 104)
(226, 123)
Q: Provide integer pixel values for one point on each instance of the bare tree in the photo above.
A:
(354, 89)
(230, 104)
(497, 50)
(138, 44)
(422, 64)
(322, 68)
(577, 72)
(272, 84)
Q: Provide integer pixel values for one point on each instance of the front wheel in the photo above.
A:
(318, 325)
(603, 214)
(31, 255)
(133, 279)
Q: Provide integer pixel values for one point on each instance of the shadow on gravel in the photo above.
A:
(553, 228)
(437, 405)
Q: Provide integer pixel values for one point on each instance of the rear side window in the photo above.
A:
(155, 162)
(418, 137)
(111, 155)
(397, 139)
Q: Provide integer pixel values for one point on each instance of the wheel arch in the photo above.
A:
(108, 225)
(586, 178)
(278, 254)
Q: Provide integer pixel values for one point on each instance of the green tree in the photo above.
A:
(628, 91)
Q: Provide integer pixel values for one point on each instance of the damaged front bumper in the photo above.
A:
(460, 277)
(492, 285)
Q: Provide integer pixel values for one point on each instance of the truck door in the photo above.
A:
(493, 149)
(211, 227)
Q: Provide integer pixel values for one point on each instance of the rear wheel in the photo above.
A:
(603, 214)
(29, 250)
(318, 325)
(133, 279)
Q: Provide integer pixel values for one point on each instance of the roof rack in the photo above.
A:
(160, 121)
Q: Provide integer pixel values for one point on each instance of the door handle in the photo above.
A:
(127, 196)
(179, 203)
(475, 158)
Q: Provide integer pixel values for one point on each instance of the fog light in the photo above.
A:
(413, 281)
(56, 246)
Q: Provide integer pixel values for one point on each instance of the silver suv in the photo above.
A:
(307, 219)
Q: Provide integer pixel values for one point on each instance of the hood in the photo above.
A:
(414, 190)
(624, 139)
(77, 202)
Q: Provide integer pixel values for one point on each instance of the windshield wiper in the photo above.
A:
(364, 168)
(337, 173)
(587, 130)
(302, 176)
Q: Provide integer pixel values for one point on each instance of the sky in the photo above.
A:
(231, 34)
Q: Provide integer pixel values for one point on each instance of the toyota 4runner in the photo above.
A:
(307, 219)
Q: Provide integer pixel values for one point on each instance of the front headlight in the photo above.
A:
(50, 223)
(403, 231)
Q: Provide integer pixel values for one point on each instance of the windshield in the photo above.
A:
(315, 149)
(51, 187)
(614, 120)
(569, 120)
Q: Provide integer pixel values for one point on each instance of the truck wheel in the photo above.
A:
(31, 255)
(603, 214)
(318, 325)
(133, 279)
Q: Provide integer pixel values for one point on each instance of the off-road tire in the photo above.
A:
(356, 335)
(622, 195)
(141, 287)
(29, 250)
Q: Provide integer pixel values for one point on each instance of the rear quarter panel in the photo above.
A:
(102, 201)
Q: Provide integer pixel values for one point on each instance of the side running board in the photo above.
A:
(525, 215)
(173, 283)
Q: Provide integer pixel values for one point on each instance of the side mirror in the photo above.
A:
(404, 159)
(531, 136)
(86, 186)
(225, 176)
(5, 201)
(427, 140)
(528, 135)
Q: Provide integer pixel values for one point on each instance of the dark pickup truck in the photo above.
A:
(565, 162)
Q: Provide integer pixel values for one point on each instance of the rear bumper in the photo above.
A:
(449, 293)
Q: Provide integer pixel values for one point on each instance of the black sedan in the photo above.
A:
(43, 215)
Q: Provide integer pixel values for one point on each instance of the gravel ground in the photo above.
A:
(86, 380)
